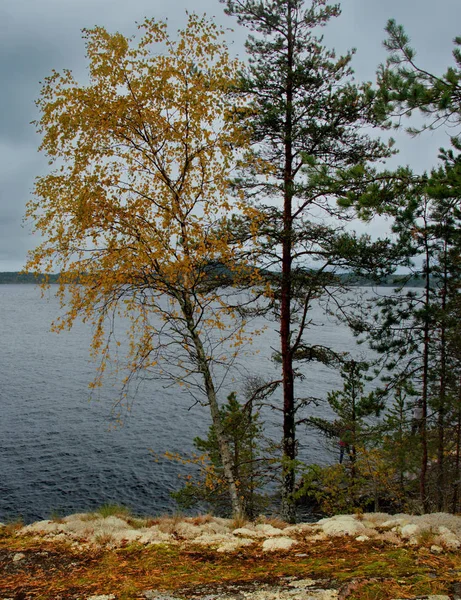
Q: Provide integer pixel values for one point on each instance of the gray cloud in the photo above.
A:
(38, 36)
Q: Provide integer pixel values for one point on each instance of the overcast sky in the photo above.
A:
(37, 36)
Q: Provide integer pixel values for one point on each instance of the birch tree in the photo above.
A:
(135, 210)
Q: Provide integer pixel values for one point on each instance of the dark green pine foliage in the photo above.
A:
(308, 120)
(244, 432)
(432, 218)
(352, 407)
(443, 186)
(397, 440)
(416, 330)
(406, 86)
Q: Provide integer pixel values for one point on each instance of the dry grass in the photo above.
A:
(90, 517)
(104, 539)
(238, 522)
(199, 520)
(12, 527)
(426, 538)
(167, 523)
(371, 570)
(136, 522)
(274, 521)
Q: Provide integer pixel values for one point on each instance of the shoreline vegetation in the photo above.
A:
(395, 280)
(110, 554)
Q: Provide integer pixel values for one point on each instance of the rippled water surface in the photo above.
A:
(60, 452)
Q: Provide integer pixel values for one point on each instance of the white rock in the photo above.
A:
(294, 529)
(362, 538)
(81, 517)
(444, 531)
(153, 535)
(110, 525)
(234, 544)
(448, 538)
(278, 543)
(18, 556)
(188, 531)
(304, 528)
(303, 583)
(215, 526)
(268, 530)
(436, 549)
(247, 532)
(342, 525)
(103, 597)
(212, 539)
(409, 531)
(45, 526)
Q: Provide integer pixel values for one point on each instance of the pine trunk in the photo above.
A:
(424, 395)
(289, 435)
(441, 491)
(454, 507)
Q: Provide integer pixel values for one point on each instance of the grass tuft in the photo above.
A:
(169, 523)
(238, 522)
(12, 527)
(113, 510)
(104, 539)
(276, 522)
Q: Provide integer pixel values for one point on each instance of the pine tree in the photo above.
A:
(308, 119)
(244, 433)
(352, 406)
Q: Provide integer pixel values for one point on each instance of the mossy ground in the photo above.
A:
(361, 570)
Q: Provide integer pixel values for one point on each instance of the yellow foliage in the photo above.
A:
(138, 202)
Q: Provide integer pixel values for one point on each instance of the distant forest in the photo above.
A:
(390, 280)
(18, 277)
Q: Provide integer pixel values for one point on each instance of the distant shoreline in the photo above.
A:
(19, 277)
(389, 281)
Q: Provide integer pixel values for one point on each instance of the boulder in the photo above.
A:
(278, 543)
(342, 525)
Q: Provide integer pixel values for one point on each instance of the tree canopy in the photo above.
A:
(136, 208)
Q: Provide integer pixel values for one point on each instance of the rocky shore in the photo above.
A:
(222, 534)
(438, 534)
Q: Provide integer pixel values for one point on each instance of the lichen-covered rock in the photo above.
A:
(409, 531)
(44, 527)
(234, 544)
(448, 538)
(342, 525)
(247, 532)
(278, 543)
(210, 531)
(211, 539)
(268, 530)
(18, 557)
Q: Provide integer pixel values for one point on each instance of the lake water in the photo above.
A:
(61, 453)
